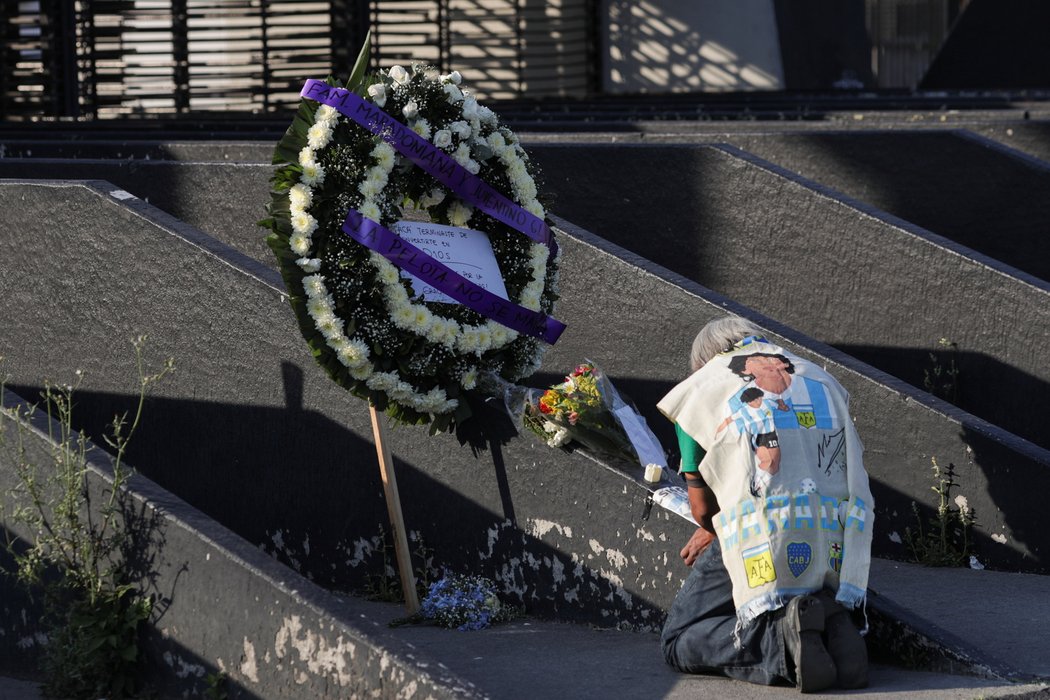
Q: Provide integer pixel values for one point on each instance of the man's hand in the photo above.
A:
(700, 541)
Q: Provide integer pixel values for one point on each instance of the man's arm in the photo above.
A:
(704, 506)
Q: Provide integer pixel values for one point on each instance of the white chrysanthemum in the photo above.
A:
(329, 325)
(299, 244)
(495, 141)
(410, 110)
(314, 286)
(327, 115)
(304, 224)
(309, 264)
(370, 210)
(313, 174)
(527, 189)
(384, 154)
(353, 353)
(484, 338)
(462, 154)
(369, 188)
(388, 274)
(422, 127)
(459, 213)
(469, 379)
(422, 319)
(535, 208)
(318, 135)
(306, 157)
(437, 332)
(403, 316)
(399, 75)
(530, 299)
(318, 308)
(361, 372)
(467, 341)
(300, 197)
(443, 138)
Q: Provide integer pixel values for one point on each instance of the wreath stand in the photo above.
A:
(393, 507)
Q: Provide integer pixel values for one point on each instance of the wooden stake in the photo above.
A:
(393, 507)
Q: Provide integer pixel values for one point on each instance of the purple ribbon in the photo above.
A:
(432, 159)
(406, 256)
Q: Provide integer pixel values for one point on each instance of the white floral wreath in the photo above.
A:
(361, 317)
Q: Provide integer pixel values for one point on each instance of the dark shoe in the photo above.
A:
(801, 626)
(844, 643)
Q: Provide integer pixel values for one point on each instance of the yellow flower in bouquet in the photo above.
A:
(578, 411)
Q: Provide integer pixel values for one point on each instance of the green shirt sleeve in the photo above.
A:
(692, 453)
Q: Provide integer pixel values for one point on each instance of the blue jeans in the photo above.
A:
(698, 634)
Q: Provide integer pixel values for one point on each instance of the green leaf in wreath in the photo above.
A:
(361, 64)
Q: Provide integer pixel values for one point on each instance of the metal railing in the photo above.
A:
(96, 59)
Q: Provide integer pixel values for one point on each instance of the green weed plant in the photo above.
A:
(73, 555)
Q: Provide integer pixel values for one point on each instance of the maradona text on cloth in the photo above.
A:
(786, 465)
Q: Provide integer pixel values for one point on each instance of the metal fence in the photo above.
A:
(87, 59)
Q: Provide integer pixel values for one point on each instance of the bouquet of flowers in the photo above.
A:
(464, 603)
(586, 409)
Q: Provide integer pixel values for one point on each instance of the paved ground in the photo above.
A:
(998, 619)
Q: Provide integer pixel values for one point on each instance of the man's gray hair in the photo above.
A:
(718, 336)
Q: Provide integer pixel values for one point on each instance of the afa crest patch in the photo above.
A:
(806, 419)
(835, 557)
(799, 556)
(758, 562)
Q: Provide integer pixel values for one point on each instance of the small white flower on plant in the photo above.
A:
(410, 110)
(353, 353)
(399, 75)
(378, 94)
(964, 505)
(443, 138)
